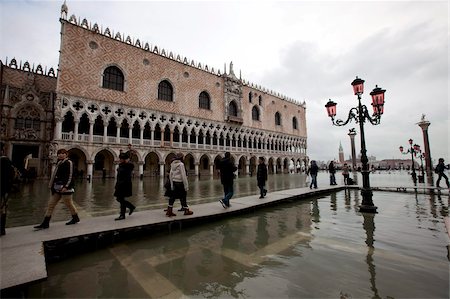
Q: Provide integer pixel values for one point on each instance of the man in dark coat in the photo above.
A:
(227, 169)
(6, 177)
(261, 177)
(124, 185)
(332, 171)
(440, 168)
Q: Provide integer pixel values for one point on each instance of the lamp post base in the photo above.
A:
(368, 209)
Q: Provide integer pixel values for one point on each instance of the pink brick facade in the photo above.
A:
(103, 122)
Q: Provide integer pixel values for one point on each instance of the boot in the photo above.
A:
(187, 211)
(170, 212)
(121, 217)
(3, 224)
(44, 224)
(74, 220)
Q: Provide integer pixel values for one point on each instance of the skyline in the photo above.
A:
(308, 51)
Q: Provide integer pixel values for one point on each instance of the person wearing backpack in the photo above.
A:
(440, 171)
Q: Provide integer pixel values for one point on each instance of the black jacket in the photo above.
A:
(227, 170)
(64, 174)
(124, 186)
(261, 173)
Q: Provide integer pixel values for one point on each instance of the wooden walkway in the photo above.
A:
(22, 250)
(413, 189)
(23, 259)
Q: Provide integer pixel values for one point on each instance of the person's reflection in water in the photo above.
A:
(348, 199)
(262, 235)
(315, 212)
(333, 202)
(369, 227)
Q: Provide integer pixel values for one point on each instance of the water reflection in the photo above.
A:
(318, 248)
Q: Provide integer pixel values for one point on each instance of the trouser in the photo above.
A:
(346, 176)
(4, 208)
(332, 179)
(442, 175)
(313, 181)
(178, 192)
(262, 190)
(228, 193)
(124, 204)
(56, 197)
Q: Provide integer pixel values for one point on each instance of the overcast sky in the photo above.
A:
(309, 51)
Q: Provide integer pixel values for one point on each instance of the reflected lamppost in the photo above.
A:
(360, 114)
(413, 150)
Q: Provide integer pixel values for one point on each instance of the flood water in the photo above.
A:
(320, 247)
(96, 198)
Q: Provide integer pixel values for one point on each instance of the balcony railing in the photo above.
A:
(175, 144)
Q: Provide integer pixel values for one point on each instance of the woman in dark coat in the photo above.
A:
(261, 177)
(124, 186)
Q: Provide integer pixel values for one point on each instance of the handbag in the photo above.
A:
(57, 186)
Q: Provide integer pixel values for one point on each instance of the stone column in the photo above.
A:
(161, 169)
(105, 134)
(58, 127)
(424, 124)
(90, 169)
(211, 169)
(152, 136)
(247, 168)
(352, 135)
(196, 168)
(141, 136)
(141, 168)
(130, 135)
(91, 131)
(196, 139)
(171, 137)
(118, 134)
(75, 132)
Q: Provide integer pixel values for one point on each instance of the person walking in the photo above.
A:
(345, 173)
(440, 168)
(261, 177)
(7, 177)
(61, 186)
(179, 185)
(227, 169)
(124, 186)
(332, 171)
(313, 170)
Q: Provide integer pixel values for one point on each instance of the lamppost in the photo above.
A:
(360, 114)
(414, 150)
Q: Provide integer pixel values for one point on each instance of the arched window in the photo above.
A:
(113, 78)
(28, 118)
(255, 113)
(165, 91)
(294, 123)
(250, 96)
(232, 109)
(278, 119)
(204, 101)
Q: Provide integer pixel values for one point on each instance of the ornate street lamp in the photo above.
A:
(361, 114)
(415, 151)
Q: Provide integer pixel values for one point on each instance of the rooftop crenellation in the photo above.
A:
(27, 67)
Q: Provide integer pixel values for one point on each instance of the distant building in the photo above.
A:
(341, 153)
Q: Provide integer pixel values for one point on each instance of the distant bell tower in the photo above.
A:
(341, 153)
